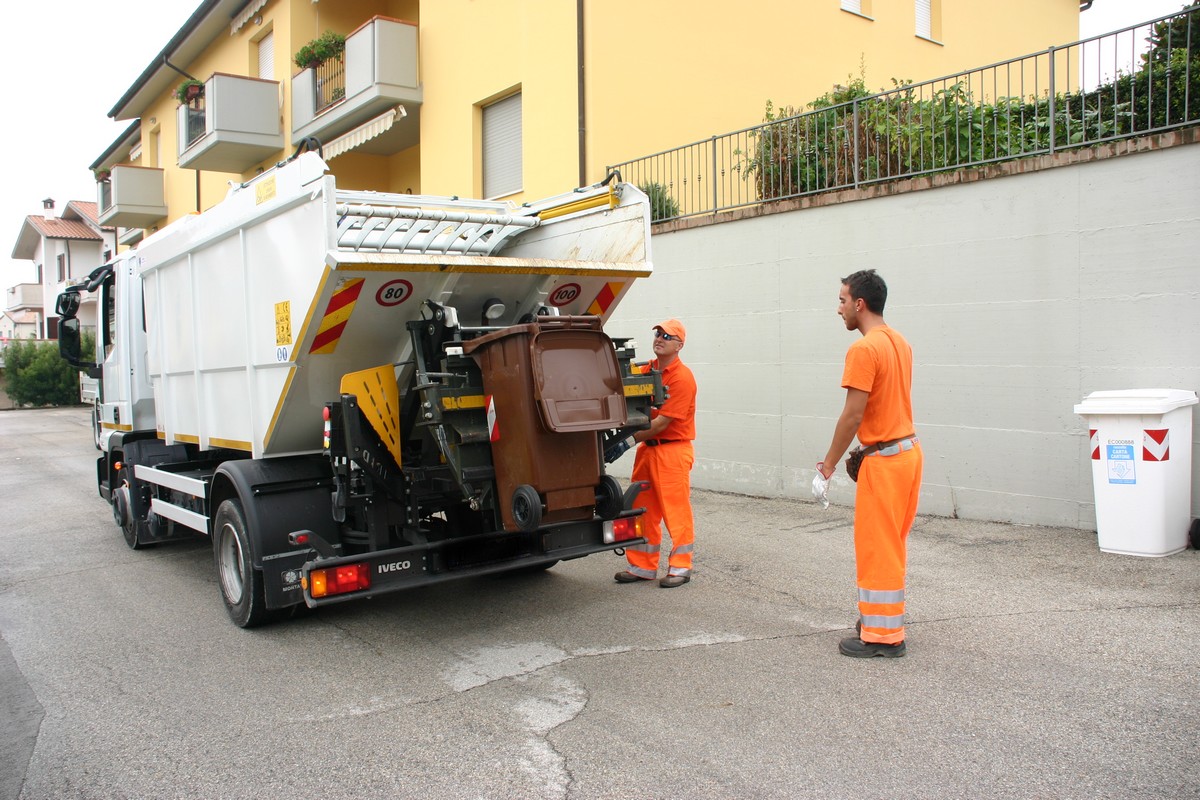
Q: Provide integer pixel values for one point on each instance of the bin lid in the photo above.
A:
(1136, 401)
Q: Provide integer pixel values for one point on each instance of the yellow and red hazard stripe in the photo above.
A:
(605, 299)
(337, 314)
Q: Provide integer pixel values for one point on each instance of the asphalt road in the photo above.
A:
(1037, 667)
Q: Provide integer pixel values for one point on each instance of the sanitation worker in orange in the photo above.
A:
(878, 409)
(664, 459)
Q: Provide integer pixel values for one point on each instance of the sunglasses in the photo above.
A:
(668, 337)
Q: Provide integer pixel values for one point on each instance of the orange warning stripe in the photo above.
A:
(605, 299)
(337, 314)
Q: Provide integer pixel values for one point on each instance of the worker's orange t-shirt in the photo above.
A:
(880, 363)
(681, 404)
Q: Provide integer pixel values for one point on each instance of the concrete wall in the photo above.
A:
(1020, 293)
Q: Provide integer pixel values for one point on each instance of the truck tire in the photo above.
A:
(526, 508)
(123, 516)
(1194, 534)
(241, 584)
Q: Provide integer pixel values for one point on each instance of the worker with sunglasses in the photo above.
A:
(664, 459)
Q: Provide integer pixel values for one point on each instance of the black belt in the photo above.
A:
(657, 442)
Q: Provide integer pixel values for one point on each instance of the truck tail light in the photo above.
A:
(339, 580)
(622, 530)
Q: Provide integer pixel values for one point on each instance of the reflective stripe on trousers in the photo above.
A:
(885, 506)
(668, 468)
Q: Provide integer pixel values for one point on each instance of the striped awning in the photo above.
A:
(247, 14)
(363, 133)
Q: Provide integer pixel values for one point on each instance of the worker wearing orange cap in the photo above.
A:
(664, 459)
(878, 409)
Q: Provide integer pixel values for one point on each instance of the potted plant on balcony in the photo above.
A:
(101, 175)
(327, 46)
(189, 90)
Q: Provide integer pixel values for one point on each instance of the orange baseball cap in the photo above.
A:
(673, 327)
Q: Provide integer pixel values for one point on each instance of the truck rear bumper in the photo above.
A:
(287, 577)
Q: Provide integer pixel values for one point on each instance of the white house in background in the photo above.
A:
(64, 250)
(21, 317)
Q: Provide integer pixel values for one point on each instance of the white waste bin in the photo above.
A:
(1141, 449)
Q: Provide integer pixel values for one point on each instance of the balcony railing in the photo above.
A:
(1064, 97)
(330, 80)
(193, 121)
(132, 197)
(378, 71)
(232, 127)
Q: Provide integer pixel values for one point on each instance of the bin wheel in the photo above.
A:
(1194, 534)
(526, 508)
(610, 499)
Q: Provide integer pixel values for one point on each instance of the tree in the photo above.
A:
(38, 376)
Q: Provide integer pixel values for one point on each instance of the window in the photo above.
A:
(929, 19)
(266, 57)
(62, 268)
(860, 7)
(502, 173)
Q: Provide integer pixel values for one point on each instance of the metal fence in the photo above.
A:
(1082, 94)
(331, 82)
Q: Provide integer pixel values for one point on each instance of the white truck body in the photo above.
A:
(257, 308)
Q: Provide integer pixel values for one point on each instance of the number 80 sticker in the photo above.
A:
(393, 293)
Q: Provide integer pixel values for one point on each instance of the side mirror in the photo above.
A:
(67, 306)
(70, 342)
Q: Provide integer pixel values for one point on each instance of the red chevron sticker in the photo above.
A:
(1095, 444)
(1156, 445)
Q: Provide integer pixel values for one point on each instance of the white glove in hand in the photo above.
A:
(820, 488)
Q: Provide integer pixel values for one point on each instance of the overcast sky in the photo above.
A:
(77, 57)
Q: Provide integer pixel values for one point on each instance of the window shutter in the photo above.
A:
(925, 18)
(502, 147)
(266, 57)
(852, 5)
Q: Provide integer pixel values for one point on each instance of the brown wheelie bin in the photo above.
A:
(553, 384)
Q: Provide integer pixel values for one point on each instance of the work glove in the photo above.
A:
(820, 487)
(617, 449)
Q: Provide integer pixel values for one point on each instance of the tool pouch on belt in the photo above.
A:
(856, 456)
(854, 461)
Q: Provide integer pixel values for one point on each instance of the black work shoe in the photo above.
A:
(628, 577)
(857, 648)
(671, 581)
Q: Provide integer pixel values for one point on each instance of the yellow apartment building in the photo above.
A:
(511, 99)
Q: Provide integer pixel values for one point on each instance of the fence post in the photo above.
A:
(713, 174)
(1052, 104)
(854, 133)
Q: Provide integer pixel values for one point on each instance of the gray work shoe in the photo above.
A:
(857, 648)
(671, 581)
(628, 577)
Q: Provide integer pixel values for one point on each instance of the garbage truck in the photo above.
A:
(353, 393)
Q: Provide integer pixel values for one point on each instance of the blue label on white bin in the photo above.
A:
(1120, 464)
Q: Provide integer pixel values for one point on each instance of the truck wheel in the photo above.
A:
(526, 508)
(123, 516)
(610, 499)
(241, 584)
(1194, 534)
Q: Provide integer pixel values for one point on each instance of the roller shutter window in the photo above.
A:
(852, 5)
(502, 147)
(925, 19)
(266, 57)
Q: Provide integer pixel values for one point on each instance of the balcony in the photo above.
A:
(232, 127)
(24, 297)
(379, 71)
(132, 197)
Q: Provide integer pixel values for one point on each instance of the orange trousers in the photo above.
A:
(885, 506)
(668, 468)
